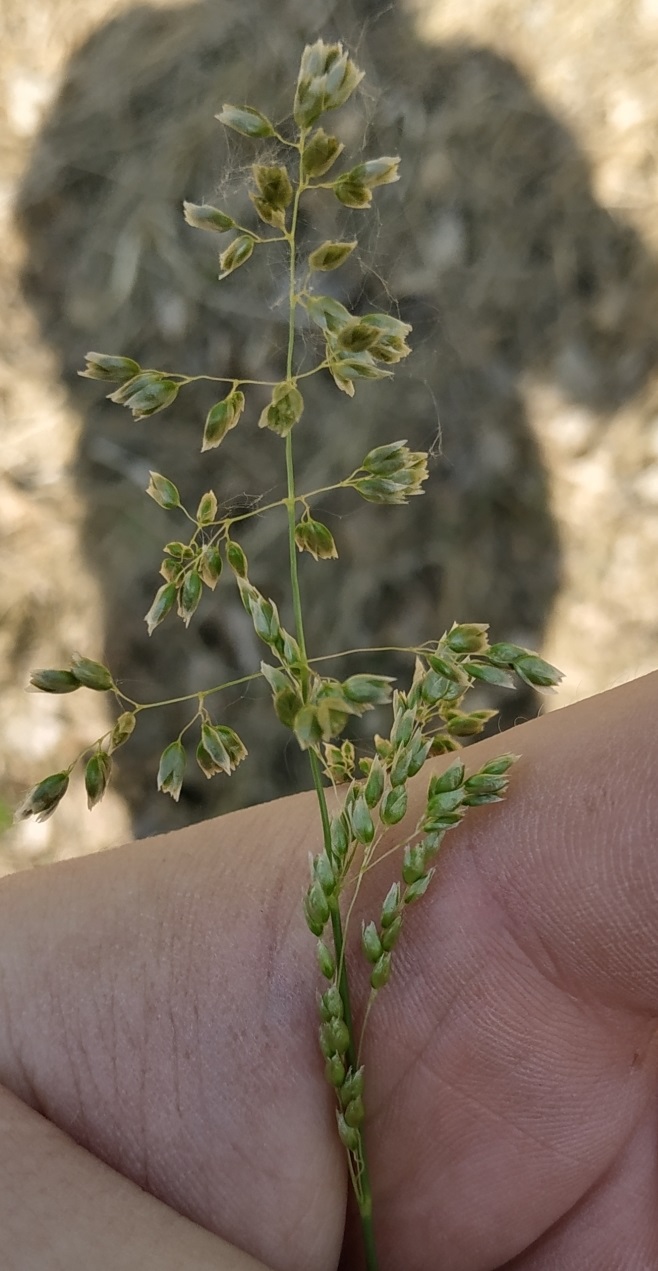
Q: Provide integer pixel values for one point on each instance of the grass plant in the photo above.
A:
(361, 798)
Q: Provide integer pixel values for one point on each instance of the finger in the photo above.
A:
(513, 1055)
(579, 875)
(57, 1203)
(160, 1009)
(613, 1228)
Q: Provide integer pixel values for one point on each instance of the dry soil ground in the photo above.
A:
(523, 245)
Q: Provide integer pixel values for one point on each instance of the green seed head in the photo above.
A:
(189, 596)
(146, 394)
(420, 749)
(54, 681)
(327, 78)
(390, 935)
(451, 779)
(413, 864)
(221, 418)
(536, 672)
(105, 366)
(374, 172)
(499, 765)
(123, 729)
(326, 960)
(381, 972)
(354, 1112)
(418, 889)
(273, 185)
(394, 807)
(163, 602)
(334, 1071)
(370, 942)
(97, 775)
(172, 769)
(339, 1034)
(331, 255)
(374, 787)
(485, 783)
(284, 410)
(236, 559)
(91, 674)
(207, 509)
(363, 826)
(324, 873)
(505, 654)
(331, 1004)
(316, 909)
(314, 537)
(215, 751)
(233, 745)
(43, 798)
(391, 905)
(340, 837)
(368, 690)
(349, 1135)
(495, 675)
(352, 193)
(353, 1086)
(468, 725)
(246, 120)
(320, 153)
(307, 727)
(203, 216)
(163, 491)
(468, 637)
(236, 254)
(210, 566)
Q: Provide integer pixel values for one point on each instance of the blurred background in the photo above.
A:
(521, 242)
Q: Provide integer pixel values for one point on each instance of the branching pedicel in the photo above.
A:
(428, 719)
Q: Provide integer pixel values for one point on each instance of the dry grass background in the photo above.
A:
(523, 245)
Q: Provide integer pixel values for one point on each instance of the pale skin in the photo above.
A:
(158, 1011)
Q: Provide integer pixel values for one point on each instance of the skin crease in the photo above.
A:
(158, 1008)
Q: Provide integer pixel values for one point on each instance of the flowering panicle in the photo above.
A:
(427, 719)
(391, 474)
(327, 78)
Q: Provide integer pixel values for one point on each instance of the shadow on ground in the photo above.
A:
(494, 247)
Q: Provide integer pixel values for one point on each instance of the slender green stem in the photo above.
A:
(371, 1002)
(248, 679)
(365, 1212)
(360, 1179)
(378, 648)
(292, 548)
(369, 853)
(290, 469)
(214, 379)
(228, 521)
(230, 379)
(294, 145)
(187, 697)
(392, 851)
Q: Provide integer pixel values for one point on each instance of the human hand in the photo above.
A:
(159, 1008)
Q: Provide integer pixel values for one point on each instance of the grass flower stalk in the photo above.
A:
(370, 791)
